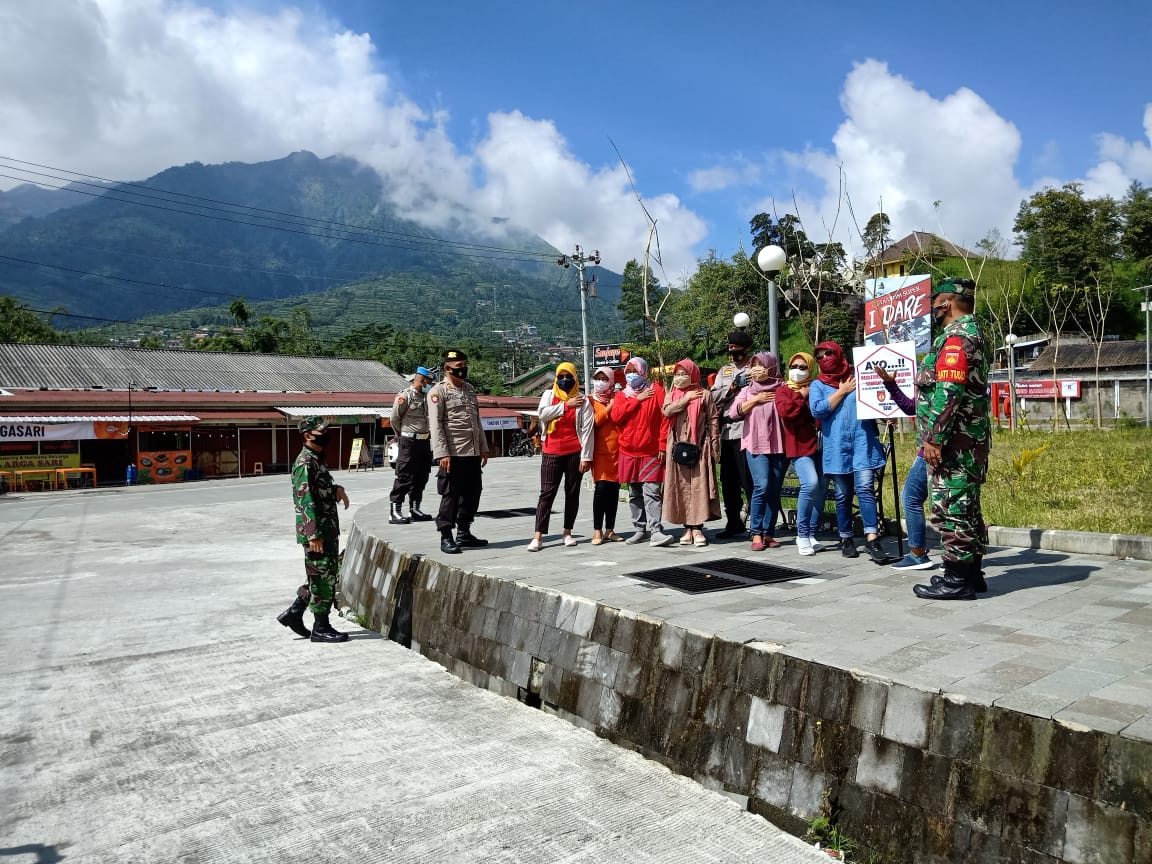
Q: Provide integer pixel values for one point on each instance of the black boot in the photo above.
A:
(976, 575)
(415, 513)
(465, 539)
(293, 616)
(322, 631)
(447, 544)
(398, 517)
(951, 585)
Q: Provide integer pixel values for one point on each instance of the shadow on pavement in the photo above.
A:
(1021, 579)
(44, 854)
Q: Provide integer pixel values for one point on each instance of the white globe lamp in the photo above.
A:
(741, 320)
(771, 259)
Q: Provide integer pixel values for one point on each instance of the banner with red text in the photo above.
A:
(898, 309)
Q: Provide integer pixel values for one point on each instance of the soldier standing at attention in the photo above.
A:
(735, 478)
(460, 447)
(318, 531)
(414, 448)
(952, 417)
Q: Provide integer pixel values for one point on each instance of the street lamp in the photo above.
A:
(1147, 358)
(771, 260)
(1010, 342)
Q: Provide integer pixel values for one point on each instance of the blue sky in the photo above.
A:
(506, 109)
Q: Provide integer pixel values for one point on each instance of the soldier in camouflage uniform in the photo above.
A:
(952, 418)
(318, 531)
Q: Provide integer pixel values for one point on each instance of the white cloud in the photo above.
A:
(1121, 162)
(737, 171)
(125, 88)
(900, 146)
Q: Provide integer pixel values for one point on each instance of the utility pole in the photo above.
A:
(581, 261)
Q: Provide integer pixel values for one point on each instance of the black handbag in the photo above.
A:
(685, 453)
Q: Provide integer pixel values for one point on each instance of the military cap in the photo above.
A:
(455, 354)
(313, 424)
(959, 287)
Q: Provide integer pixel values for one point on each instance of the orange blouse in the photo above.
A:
(607, 449)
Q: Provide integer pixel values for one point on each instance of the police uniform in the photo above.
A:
(454, 422)
(414, 451)
(315, 497)
(735, 478)
(953, 408)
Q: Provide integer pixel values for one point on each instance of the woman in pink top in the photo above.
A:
(763, 444)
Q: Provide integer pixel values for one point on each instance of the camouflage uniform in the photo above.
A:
(314, 494)
(952, 412)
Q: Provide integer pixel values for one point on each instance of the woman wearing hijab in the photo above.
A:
(606, 497)
(643, 431)
(852, 451)
(763, 444)
(567, 449)
(801, 446)
(691, 496)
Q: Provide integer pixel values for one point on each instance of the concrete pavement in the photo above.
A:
(153, 710)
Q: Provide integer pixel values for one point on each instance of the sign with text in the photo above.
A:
(898, 309)
(873, 402)
(10, 431)
(609, 355)
(1066, 388)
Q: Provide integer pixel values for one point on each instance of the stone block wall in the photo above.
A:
(912, 775)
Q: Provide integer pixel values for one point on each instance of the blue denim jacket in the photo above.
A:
(849, 444)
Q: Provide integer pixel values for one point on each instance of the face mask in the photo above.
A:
(601, 387)
(798, 375)
(425, 388)
(320, 439)
(566, 384)
(758, 374)
(681, 382)
(635, 380)
(460, 372)
(939, 313)
(829, 363)
(737, 354)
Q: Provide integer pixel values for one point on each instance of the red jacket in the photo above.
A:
(643, 426)
(799, 426)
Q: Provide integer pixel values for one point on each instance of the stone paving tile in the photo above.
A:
(1102, 714)
(1036, 704)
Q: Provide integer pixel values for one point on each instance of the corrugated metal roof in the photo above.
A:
(333, 410)
(1113, 355)
(83, 367)
(44, 419)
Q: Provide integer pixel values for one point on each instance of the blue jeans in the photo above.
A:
(912, 500)
(767, 471)
(810, 504)
(859, 481)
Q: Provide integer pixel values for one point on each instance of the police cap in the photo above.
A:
(959, 287)
(313, 424)
(455, 354)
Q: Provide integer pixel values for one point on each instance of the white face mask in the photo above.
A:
(798, 375)
(601, 386)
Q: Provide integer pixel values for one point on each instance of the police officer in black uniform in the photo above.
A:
(735, 477)
(414, 448)
(461, 450)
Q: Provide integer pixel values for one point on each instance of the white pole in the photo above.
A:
(773, 321)
(584, 324)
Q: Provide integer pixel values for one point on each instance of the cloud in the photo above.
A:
(738, 171)
(940, 165)
(126, 88)
(1121, 162)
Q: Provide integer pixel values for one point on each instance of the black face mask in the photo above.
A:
(566, 384)
(320, 439)
(460, 372)
(939, 314)
(738, 353)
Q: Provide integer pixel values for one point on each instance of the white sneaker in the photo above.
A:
(817, 546)
(637, 537)
(804, 545)
(659, 538)
(535, 545)
(569, 540)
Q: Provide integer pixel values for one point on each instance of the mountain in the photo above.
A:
(294, 231)
(20, 202)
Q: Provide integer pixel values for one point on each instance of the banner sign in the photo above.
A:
(1068, 388)
(609, 355)
(491, 424)
(60, 431)
(899, 309)
(873, 402)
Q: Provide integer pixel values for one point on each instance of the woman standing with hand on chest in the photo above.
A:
(801, 445)
(763, 443)
(691, 495)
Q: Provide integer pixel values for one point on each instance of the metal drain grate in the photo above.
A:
(725, 574)
(507, 514)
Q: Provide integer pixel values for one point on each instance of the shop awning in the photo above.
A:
(339, 413)
(135, 419)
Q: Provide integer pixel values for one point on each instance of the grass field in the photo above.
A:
(1082, 481)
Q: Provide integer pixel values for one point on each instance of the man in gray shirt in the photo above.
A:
(414, 448)
(735, 478)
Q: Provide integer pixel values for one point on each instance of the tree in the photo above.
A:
(239, 311)
(638, 323)
(1136, 235)
(877, 234)
(18, 323)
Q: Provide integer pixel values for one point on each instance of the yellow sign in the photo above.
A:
(33, 462)
(360, 455)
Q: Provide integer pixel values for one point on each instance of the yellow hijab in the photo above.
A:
(560, 394)
(807, 358)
